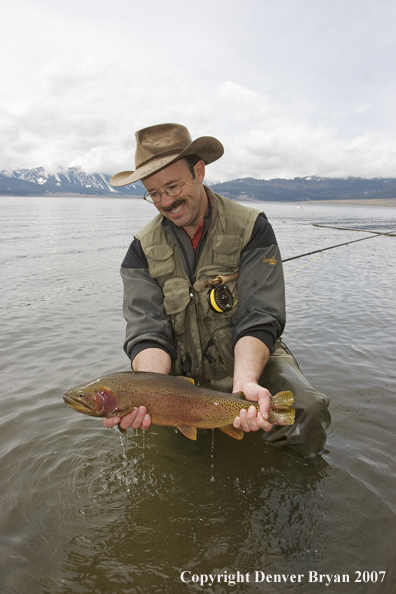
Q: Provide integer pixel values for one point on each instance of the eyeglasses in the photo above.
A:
(172, 190)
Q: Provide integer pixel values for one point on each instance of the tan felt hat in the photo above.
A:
(163, 144)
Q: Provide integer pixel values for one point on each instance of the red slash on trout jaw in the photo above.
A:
(107, 401)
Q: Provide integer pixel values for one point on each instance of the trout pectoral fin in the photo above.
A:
(120, 413)
(186, 379)
(190, 432)
(232, 432)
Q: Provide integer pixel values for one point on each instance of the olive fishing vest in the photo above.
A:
(203, 336)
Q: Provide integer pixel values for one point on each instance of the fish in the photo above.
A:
(171, 401)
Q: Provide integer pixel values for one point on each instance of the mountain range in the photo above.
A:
(39, 182)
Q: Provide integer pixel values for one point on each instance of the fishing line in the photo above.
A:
(310, 262)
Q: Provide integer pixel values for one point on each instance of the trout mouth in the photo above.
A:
(77, 404)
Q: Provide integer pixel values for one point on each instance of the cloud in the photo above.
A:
(364, 108)
(277, 141)
(289, 89)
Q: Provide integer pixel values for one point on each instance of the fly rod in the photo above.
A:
(338, 245)
(352, 229)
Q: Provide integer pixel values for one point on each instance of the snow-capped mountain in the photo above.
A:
(39, 182)
(73, 180)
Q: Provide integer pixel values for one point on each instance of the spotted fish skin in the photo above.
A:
(171, 401)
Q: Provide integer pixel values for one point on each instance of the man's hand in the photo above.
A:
(251, 420)
(251, 356)
(151, 360)
(137, 419)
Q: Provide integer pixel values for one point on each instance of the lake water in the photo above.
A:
(82, 511)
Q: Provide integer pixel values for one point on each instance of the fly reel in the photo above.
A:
(220, 299)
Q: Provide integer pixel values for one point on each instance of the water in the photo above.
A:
(82, 511)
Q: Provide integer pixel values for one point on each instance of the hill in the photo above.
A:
(307, 188)
(39, 182)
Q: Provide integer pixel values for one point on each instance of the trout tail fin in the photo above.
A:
(282, 417)
(282, 400)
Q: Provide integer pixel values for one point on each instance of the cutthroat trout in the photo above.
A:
(172, 401)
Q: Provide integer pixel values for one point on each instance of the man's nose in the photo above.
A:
(167, 200)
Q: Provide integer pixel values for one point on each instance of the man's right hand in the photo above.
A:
(137, 419)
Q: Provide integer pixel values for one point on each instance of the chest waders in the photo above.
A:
(202, 331)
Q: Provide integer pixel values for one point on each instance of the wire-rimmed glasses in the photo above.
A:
(172, 190)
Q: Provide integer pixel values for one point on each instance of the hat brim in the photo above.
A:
(207, 148)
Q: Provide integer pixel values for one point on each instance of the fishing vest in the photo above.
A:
(203, 336)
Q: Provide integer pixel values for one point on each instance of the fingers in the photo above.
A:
(137, 419)
(112, 422)
(251, 420)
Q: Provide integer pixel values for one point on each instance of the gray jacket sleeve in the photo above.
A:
(261, 289)
(147, 324)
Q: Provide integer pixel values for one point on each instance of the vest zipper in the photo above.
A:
(189, 270)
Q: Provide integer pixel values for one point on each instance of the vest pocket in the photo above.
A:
(176, 300)
(217, 329)
(160, 260)
(219, 355)
(227, 249)
(222, 338)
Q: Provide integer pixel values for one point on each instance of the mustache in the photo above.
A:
(175, 204)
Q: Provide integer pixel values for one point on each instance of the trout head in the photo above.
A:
(94, 399)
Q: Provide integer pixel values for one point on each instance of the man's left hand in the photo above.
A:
(251, 420)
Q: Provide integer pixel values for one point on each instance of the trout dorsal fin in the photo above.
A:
(186, 379)
(232, 432)
(190, 432)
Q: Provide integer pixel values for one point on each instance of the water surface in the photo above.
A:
(82, 512)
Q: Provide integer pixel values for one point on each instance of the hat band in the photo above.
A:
(177, 151)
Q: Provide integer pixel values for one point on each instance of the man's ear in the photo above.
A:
(200, 171)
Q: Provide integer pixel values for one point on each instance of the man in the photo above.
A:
(204, 291)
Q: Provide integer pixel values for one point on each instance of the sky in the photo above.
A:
(290, 87)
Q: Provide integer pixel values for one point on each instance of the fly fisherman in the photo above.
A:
(204, 292)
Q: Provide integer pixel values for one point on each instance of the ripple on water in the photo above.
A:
(138, 471)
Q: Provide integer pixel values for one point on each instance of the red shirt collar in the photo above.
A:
(197, 235)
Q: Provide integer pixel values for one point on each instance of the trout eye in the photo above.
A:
(80, 394)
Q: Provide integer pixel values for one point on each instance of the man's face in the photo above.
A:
(189, 207)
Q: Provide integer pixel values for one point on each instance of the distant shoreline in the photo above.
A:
(387, 202)
(383, 202)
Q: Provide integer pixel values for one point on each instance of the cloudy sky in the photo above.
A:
(291, 87)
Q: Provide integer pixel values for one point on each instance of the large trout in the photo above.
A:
(172, 401)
